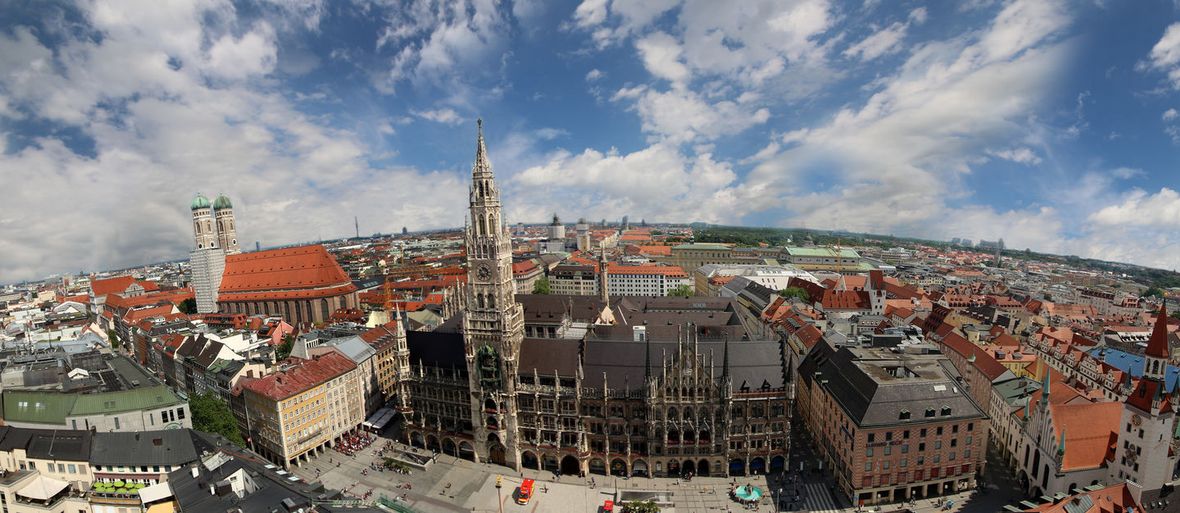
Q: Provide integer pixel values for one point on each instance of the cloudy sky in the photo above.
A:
(1054, 125)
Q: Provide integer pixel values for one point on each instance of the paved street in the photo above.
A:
(454, 485)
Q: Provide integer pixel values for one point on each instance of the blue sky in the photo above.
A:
(1053, 125)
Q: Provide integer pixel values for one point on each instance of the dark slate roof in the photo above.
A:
(552, 308)
(57, 444)
(860, 381)
(547, 355)
(436, 349)
(752, 364)
(166, 447)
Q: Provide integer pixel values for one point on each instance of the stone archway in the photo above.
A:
(570, 466)
(449, 448)
(757, 466)
(673, 468)
(496, 452)
(432, 443)
(417, 440)
(529, 460)
(688, 467)
(703, 468)
(639, 468)
(737, 467)
(778, 464)
(618, 467)
(550, 463)
(467, 450)
(597, 466)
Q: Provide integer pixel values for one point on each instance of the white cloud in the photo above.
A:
(1139, 208)
(446, 116)
(252, 54)
(443, 43)
(1170, 114)
(594, 75)
(1127, 173)
(653, 183)
(1165, 55)
(1020, 155)
(661, 56)
(173, 132)
(683, 116)
(895, 164)
(882, 42)
(918, 15)
(590, 13)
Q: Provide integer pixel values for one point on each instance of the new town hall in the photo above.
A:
(652, 386)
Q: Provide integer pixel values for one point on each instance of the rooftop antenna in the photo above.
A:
(356, 223)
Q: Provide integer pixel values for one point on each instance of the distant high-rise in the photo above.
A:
(405, 231)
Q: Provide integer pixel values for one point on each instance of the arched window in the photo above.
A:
(491, 301)
(324, 309)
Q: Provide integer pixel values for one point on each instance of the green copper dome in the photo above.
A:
(222, 201)
(200, 201)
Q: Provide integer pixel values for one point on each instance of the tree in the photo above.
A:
(188, 306)
(796, 292)
(641, 507)
(1152, 291)
(681, 291)
(284, 349)
(212, 415)
(541, 286)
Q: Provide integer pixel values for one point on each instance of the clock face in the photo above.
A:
(484, 272)
(1136, 420)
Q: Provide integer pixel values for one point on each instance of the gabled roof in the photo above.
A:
(1090, 432)
(299, 272)
(111, 285)
(301, 376)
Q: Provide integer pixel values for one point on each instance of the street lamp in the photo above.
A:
(499, 498)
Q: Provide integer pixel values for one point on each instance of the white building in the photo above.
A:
(645, 280)
(773, 277)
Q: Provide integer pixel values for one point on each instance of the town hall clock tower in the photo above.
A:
(493, 322)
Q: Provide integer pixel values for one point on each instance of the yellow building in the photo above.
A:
(302, 408)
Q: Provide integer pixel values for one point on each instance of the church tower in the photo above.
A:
(1145, 452)
(493, 322)
(204, 233)
(207, 259)
(227, 233)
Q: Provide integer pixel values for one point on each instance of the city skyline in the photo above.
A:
(1049, 126)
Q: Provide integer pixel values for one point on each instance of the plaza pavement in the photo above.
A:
(452, 485)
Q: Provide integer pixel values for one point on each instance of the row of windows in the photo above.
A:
(920, 460)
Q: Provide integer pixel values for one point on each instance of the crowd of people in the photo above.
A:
(351, 443)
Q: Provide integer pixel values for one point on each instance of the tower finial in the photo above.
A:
(482, 165)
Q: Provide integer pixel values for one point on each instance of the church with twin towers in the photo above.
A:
(215, 235)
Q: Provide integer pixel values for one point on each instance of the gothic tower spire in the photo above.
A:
(493, 322)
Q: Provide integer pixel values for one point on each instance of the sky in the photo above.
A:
(1051, 124)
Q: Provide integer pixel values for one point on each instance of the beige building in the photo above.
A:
(30, 491)
(302, 408)
(573, 280)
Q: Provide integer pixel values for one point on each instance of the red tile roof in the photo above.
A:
(111, 285)
(1157, 346)
(845, 300)
(288, 273)
(985, 362)
(305, 375)
(1112, 499)
(1090, 432)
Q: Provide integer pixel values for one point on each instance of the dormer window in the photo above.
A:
(904, 415)
(929, 412)
(946, 411)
